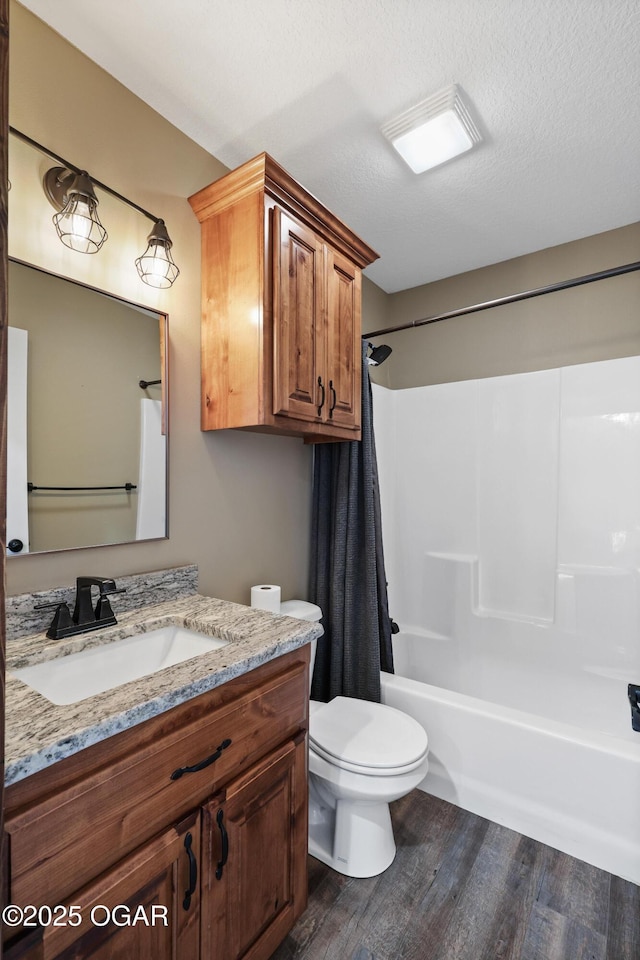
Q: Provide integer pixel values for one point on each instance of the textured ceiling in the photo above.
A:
(555, 85)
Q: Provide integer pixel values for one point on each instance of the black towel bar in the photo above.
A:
(123, 486)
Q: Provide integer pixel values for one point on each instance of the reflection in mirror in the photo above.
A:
(79, 418)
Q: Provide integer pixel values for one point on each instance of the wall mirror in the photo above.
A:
(87, 426)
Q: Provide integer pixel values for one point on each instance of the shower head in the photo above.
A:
(378, 354)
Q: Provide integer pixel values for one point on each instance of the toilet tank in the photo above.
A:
(303, 610)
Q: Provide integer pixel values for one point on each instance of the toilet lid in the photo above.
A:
(358, 734)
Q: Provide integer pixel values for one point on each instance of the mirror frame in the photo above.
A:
(4, 170)
(163, 321)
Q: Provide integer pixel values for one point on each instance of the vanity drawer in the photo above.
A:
(61, 842)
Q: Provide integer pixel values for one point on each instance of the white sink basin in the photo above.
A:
(96, 669)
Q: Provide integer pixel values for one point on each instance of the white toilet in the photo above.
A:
(362, 755)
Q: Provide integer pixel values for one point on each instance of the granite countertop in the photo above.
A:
(38, 733)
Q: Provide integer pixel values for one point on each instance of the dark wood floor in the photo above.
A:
(463, 888)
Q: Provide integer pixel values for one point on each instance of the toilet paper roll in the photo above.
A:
(266, 596)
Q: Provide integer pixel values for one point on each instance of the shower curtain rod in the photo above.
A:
(512, 298)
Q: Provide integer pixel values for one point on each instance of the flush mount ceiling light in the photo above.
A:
(434, 131)
(71, 191)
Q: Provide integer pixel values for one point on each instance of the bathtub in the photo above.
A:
(549, 754)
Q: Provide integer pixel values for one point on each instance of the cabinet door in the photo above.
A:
(344, 356)
(298, 320)
(255, 858)
(147, 907)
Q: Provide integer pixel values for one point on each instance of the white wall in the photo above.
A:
(511, 520)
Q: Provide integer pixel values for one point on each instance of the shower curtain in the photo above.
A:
(348, 579)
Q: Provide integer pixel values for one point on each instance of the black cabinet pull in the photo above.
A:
(225, 845)
(193, 872)
(203, 763)
(321, 385)
(334, 400)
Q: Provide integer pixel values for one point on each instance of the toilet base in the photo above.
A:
(354, 837)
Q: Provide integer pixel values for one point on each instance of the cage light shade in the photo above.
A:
(156, 266)
(78, 224)
(435, 130)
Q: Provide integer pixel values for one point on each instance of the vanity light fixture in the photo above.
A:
(156, 265)
(72, 193)
(77, 223)
(435, 130)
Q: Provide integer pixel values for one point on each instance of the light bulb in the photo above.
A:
(78, 223)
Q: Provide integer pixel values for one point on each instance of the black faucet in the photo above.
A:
(83, 612)
(84, 618)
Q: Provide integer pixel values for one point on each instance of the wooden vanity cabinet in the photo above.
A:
(249, 890)
(145, 894)
(118, 824)
(281, 308)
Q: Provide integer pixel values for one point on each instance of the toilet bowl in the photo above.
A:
(362, 755)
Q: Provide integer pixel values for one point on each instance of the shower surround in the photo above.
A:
(511, 522)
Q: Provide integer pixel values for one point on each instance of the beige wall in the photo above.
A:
(375, 305)
(239, 502)
(375, 314)
(594, 322)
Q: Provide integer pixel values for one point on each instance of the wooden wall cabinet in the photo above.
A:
(223, 847)
(281, 308)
